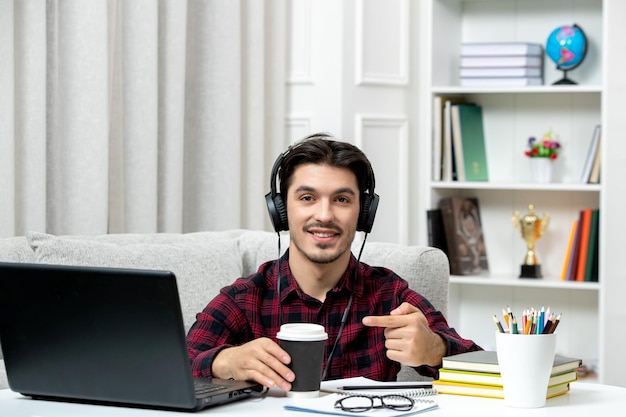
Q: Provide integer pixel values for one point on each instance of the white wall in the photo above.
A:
(351, 72)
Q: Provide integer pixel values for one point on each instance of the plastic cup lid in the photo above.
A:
(302, 332)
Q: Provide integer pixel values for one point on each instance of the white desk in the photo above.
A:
(583, 400)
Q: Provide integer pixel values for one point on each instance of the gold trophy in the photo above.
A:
(531, 228)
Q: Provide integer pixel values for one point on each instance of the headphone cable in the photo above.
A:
(280, 309)
(344, 317)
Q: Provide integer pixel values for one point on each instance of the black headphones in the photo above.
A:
(278, 211)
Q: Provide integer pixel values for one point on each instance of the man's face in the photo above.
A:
(323, 210)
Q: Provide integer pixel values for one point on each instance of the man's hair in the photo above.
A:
(323, 148)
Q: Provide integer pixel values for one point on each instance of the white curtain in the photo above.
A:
(139, 116)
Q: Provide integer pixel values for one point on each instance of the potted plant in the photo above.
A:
(542, 154)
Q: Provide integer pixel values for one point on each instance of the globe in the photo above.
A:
(566, 47)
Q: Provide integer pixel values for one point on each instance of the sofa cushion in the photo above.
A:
(425, 268)
(15, 249)
(202, 262)
(258, 247)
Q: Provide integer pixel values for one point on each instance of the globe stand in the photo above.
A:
(564, 80)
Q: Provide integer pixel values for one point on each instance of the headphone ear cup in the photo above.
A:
(277, 211)
(282, 212)
(368, 213)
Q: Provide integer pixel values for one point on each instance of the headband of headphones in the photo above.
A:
(278, 211)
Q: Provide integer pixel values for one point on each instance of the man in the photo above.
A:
(326, 195)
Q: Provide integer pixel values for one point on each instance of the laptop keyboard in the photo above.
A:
(205, 387)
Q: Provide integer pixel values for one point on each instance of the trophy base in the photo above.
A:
(530, 271)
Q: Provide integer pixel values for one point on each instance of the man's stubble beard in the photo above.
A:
(323, 258)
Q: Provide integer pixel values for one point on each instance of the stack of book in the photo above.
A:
(477, 374)
(459, 145)
(513, 64)
(581, 257)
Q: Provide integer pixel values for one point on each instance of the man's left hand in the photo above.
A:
(408, 338)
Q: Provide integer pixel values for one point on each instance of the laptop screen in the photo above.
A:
(94, 334)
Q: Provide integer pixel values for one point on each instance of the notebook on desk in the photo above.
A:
(101, 335)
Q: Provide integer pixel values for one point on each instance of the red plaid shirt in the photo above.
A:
(248, 309)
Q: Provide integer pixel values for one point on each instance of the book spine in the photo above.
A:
(463, 229)
(436, 231)
(571, 268)
(473, 142)
(501, 49)
(591, 156)
(457, 141)
(584, 244)
(568, 253)
(501, 81)
(594, 177)
(447, 216)
(592, 248)
(502, 72)
(446, 169)
(437, 138)
(519, 61)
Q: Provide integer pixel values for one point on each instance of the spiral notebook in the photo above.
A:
(331, 391)
(366, 386)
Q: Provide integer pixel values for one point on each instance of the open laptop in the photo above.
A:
(101, 335)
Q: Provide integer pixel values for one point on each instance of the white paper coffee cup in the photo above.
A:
(305, 344)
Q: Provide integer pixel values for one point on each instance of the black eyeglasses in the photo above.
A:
(361, 403)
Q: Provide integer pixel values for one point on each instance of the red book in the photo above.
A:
(584, 244)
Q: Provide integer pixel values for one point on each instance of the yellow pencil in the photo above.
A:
(506, 318)
(527, 326)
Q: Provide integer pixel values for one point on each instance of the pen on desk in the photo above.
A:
(427, 385)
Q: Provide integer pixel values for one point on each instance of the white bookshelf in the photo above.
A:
(508, 281)
(511, 115)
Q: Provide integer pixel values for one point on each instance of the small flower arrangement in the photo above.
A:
(547, 147)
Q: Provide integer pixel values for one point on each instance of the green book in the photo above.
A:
(472, 138)
(487, 361)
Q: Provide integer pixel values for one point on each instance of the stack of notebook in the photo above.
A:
(477, 374)
(512, 64)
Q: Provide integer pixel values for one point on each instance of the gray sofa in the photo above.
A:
(204, 262)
